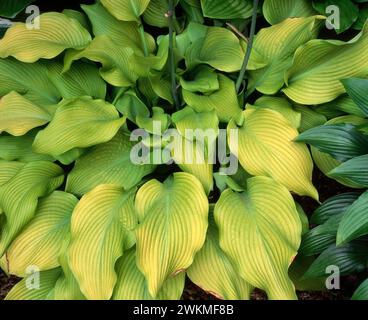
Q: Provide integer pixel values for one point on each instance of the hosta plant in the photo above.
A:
(88, 88)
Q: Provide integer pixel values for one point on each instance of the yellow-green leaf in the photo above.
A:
(173, 223)
(260, 230)
(126, 10)
(56, 33)
(100, 231)
(266, 147)
(78, 123)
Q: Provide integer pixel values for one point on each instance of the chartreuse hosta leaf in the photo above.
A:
(357, 89)
(224, 101)
(355, 170)
(30, 80)
(276, 11)
(214, 272)
(57, 32)
(40, 242)
(276, 46)
(266, 147)
(354, 223)
(155, 14)
(227, 9)
(261, 225)
(126, 10)
(319, 66)
(309, 118)
(127, 33)
(78, 123)
(100, 232)
(108, 163)
(131, 284)
(19, 115)
(173, 222)
(217, 47)
(326, 163)
(280, 105)
(19, 196)
(47, 281)
(20, 149)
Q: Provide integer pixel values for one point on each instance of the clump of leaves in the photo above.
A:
(96, 225)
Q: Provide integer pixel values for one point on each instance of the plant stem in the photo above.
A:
(143, 39)
(171, 16)
(249, 46)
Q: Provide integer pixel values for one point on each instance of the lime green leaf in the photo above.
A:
(205, 80)
(158, 117)
(155, 14)
(81, 79)
(126, 10)
(131, 284)
(79, 16)
(362, 292)
(319, 66)
(8, 169)
(261, 225)
(280, 105)
(108, 163)
(40, 242)
(30, 80)
(357, 90)
(217, 47)
(173, 223)
(348, 13)
(354, 223)
(276, 11)
(127, 33)
(19, 115)
(19, 196)
(131, 106)
(78, 123)
(356, 170)
(20, 148)
(276, 46)
(57, 32)
(47, 283)
(213, 271)
(224, 100)
(101, 230)
(266, 148)
(309, 118)
(227, 9)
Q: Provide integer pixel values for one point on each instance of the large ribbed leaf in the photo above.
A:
(30, 80)
(261, 226)
(44, 292)
(19, 115)
(276, 46)
(108, 163)
(354, 223)
(362, 292)
(8, 169)
(227, 9)
(309, 118)
(334, 206)
(131, 284)
(40, 242)
(357, 89)
(350, 258)
(100, 231)
(266, 148)
(173, 223)
(218, 47)
(20, 149)
(213, 271)
(57, 32)
(19, 196)
(319, 66)
(78, 123)
(342, 141)
(276, 11)
(126, 10)
(327, 163)
(224, 100)
(155, 14)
